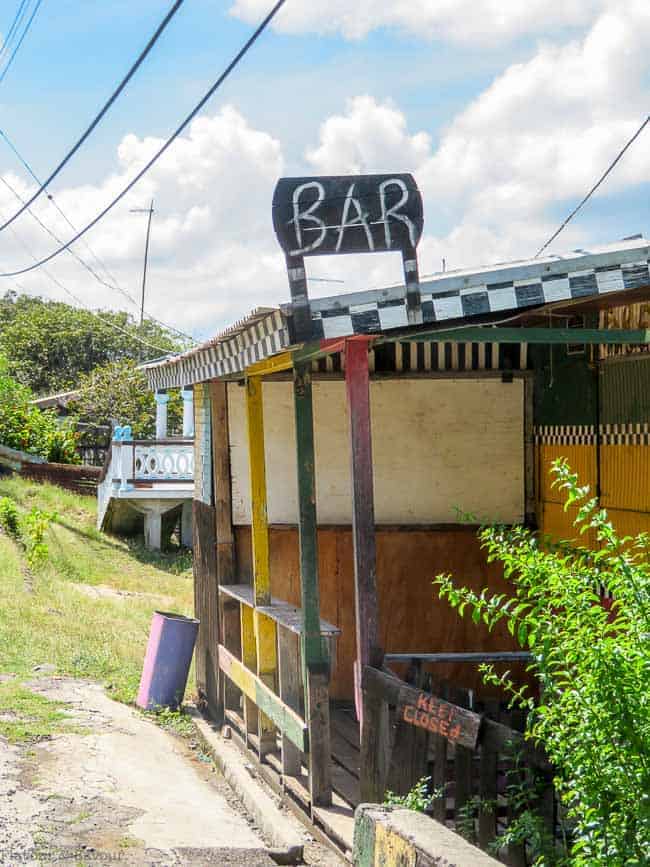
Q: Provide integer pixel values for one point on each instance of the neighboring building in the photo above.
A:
(148, 484)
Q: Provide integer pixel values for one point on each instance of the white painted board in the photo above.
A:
(438, 444)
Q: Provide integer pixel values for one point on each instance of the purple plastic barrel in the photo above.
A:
(167, 661)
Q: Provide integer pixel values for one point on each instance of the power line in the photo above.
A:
(150, 44)
(114, 285)
(74, 297)
(55, 204)
(14, 24)
(233, 63)
(594, 188)
(20, 41)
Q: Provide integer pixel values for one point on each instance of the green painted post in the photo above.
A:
(313, 653)
(314, 658)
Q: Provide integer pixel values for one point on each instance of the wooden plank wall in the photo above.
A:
(411, 617)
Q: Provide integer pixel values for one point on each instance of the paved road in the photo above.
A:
(123, 792)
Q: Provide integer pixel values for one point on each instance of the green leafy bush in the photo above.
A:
(9, 516)
(592, 667)
(28, 529)
(24, 427)
(418, 798)
(33, 526)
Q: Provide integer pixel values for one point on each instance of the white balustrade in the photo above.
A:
(168, 462)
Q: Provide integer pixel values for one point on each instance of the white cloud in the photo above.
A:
(213, 253)
(540, 134)
(479, 21)
(369, 137)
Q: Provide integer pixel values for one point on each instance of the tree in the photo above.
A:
(118, 392)
(66, 341)
(24, 427)
(592, 666)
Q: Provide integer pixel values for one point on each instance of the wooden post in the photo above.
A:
(313, 649)
(375, 746)
(267, 664)
(263, 628)
(249, 658)
(226, 692)
(206, 604)
(363, 512)
(226, 573)
(289, 676)
(259, 529)
(462, 768)
(231, 638)
(487, 781)
(315, 662)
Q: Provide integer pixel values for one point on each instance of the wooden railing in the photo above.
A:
(265, 695)
(473, 761)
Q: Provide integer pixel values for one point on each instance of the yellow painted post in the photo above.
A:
(267, 664)
(266, 657)
(249, 659)
(259, 530)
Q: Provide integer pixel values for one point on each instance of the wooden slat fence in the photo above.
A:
(73, 477)
(474, 762)
(80, 478)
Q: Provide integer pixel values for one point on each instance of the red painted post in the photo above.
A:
(363, 513)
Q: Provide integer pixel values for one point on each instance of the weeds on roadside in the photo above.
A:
(418, 798)
(27, 529)
(26, 716)
(176, 721)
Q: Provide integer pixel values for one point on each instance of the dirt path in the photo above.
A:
(121, 790)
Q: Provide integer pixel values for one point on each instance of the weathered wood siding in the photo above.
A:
(202, 445)
(437, 444)
(411, 617)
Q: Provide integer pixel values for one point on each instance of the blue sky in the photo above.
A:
(504, 127)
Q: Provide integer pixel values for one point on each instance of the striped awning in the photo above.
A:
(459, 297)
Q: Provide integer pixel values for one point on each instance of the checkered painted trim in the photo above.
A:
(229, 356)
(632, 434)
(565, 435)
(479, 300)
(625, 434)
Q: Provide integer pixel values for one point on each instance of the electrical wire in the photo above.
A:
(55, 204)
(594, 188)
(233, 63)
(134, 68)
(20, 41)
(114, 285)
(74, 297)
(18, 16)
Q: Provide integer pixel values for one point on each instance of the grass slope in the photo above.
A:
(90, 608)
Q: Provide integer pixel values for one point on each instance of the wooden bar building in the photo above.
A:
(333, 473)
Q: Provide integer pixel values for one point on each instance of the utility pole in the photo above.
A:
(149, 211)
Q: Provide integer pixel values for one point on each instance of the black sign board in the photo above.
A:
(347, 214)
